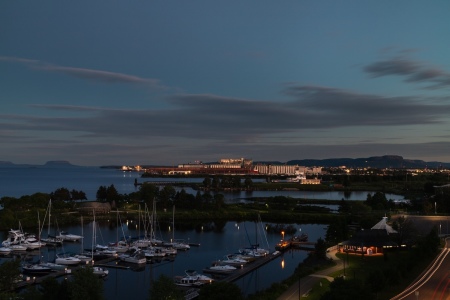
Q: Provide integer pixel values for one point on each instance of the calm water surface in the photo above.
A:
(19, 181)
(135, 284)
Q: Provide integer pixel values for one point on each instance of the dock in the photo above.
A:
(251, 267)
(30, 279)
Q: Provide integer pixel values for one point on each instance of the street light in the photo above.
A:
(282, 234)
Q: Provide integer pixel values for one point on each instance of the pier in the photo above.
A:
(30, 279)
(251, 267)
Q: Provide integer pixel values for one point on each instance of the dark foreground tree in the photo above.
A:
(85, 285)
(220, 291)
(9, 274)
(341, 289)
(165, 289)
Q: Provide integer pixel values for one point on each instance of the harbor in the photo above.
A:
(210, 246)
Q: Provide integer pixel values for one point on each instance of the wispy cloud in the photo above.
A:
(87, 74)
(412, 71)
(204, 117)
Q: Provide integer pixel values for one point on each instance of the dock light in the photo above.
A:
(282, 233)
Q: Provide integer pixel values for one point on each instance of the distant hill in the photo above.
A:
(58, 163)
(386, 161)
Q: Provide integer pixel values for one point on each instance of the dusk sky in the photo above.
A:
(170, 82)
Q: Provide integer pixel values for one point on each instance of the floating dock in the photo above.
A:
(251, 267)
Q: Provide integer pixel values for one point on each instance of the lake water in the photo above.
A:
(19, 181)
(129, 284)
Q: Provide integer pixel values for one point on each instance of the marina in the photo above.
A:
(125, 279)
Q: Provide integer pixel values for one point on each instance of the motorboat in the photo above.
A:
(65, 259)
(192, 279)
(177, 244)
(138, 257)
(232, 260)
(53, 266)
(5, 250)
(52, 241)
(17, 247)
(36, 269)
(65, 236)
(167, 250)
(220, 269)
(153, 253)
(100, 271)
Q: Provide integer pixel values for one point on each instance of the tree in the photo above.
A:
(9, 273)
(320, 249)
(248, 183)
(219, 200)
(220, 290)
(148, 192)
(51, 289)
(341, 289)
(78, 195)
(207, 182)
(111, 193)
(165, 289)
(166, 195)
(85, 285)
(405, 229)
(61, 194)
(101, 193)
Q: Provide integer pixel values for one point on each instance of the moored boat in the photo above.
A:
(192, 279)
(65, 259)
(36, 269)
(137, 257)
(5, 250)
(100, 271)
(65, 236)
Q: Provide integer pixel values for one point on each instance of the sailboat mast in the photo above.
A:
(173, 224)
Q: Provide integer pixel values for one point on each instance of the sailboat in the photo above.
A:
(82, 256)
(254, 249)
(176, 244)
(119, 246)
(95, 269)
(51, 240)
(37, 268)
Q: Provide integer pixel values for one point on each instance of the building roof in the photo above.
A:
(382, 225)
(377, 236)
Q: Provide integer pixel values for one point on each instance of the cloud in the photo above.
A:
(226, 119)
(412, 71)
(103, 76)
(87, 74)
(206, 127)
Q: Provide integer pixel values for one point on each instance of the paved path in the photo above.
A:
(305, 284)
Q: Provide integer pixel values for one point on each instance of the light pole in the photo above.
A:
(435, 212)
(282, 234)
(299, 290)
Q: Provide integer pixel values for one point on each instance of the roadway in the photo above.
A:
(433, 283)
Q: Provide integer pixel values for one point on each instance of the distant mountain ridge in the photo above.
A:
(386, 161)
